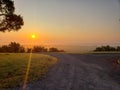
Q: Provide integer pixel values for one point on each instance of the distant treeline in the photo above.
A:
(14, 47)
(107, 48)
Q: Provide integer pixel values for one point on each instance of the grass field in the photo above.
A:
(13, 67)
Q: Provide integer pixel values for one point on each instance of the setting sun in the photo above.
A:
(33, 36)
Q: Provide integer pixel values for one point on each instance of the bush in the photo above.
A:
(13, 47)
(118, 48)
(39, 49)
(107, 48)
(55, 50)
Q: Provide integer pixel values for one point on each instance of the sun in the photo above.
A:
(33, 36)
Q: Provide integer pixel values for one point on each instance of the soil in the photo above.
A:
(81, 72)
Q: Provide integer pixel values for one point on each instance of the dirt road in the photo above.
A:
(79, 72)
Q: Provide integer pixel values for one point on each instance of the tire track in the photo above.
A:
(71, 73)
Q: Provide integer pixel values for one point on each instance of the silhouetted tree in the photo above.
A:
(4, 48)
(8, 19)
(61, 50)
(39, 49)
(109, 48)
(53, 49)
(21, 49)
(118, 48)
(105, 48)
(0, 49)
(98, 49)
(14, 47)
(28, 50)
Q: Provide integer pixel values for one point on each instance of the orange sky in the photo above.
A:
(59, 22)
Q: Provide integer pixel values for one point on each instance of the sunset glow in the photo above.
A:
(33, 36)
(67, 22)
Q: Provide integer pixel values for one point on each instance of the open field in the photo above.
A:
(13, 67)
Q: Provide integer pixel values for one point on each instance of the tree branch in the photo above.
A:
(2, 14)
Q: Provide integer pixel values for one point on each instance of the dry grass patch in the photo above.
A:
(13, 68)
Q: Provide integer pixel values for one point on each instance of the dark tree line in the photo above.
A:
(44, 49)
(14, 47)
(107, 48)
(39, 49)
(52, 49)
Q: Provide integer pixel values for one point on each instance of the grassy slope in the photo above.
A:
(13, 68)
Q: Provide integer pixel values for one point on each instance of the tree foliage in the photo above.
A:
(8, 19)
(39, 49)
(107, 48)
(53, 49)
(13, 47)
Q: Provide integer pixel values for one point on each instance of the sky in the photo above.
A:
(67, 22)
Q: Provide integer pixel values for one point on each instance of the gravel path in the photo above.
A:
(78, 72)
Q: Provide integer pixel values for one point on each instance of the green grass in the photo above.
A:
(13, 67)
